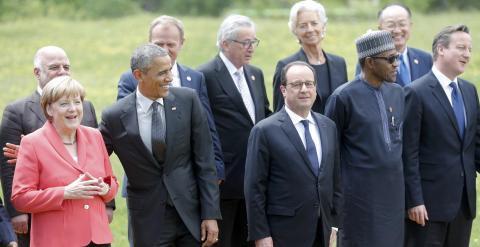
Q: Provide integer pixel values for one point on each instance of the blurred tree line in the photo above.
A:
(88, 9)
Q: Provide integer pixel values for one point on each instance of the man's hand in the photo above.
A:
(20, 223)
(264, 242)
(12, 244)
(109, 214)
(209, 231)
(333, 237)
(418, 214)
(11, 152)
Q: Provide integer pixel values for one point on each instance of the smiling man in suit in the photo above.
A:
(238, 99)
(292, 173)
(24, 116)
(441, 150)
(160, 134)
(396, 18)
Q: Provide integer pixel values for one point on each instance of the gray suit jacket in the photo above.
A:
(23, 117)
(188, 173)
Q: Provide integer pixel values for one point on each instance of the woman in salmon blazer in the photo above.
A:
(63, 175)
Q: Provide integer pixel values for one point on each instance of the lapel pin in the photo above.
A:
(189, 78)
(174, 108)
(253, 77)
(415, 61)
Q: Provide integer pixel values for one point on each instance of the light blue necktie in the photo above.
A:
(403, 72)
(458, 108)
(311, 149)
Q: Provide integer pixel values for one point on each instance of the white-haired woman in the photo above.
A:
(308, 23)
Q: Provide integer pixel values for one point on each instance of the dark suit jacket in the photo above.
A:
(420, 63)
(188, 173)
(232, 120)
(282, 193)
(24, 116)
(437, 162)
(337, 70)
(191, 79)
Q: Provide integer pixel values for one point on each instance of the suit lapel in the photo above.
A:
(226, 82)
(185, 78)
(129, 121)
(441, 97)
(332, 72)
(172, 118)
(54, 139)
(251, 82)
(323, 142)
(36, 109)
(469, 108)
(292, 134)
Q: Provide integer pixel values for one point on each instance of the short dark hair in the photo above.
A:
(443, 37)
(380, 12)
(143, 56)
(296, 63)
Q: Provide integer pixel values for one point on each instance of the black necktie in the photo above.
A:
(457, 105)
(311, 149)
(158, 138)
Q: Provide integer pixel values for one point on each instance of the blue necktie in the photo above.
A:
(458, 108)
(403, 72)
(311, 149)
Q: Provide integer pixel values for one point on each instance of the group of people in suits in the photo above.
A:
(392, 162)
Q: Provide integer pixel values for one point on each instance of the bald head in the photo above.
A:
(396, 19)
(50, 62)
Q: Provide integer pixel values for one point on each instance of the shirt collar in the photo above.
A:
(175, 70)
(443, 79)
(145, 102)
(230, 67)
(404, 55)
(39, 90)
(296, 118)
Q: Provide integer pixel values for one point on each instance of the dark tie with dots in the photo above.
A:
(458, 108)
(158, 138)
(311, 149)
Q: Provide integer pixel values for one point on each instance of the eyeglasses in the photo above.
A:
(390, 59)
(299, 84)
(247, 43)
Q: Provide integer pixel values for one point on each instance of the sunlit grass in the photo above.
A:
(100, 50)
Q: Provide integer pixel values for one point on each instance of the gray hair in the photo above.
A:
(229, 27)
(443, 37)
(143, 56)
(166, 20)
(306, 5)
(38, 57)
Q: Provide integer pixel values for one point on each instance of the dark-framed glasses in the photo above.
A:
(391, 59)
(299, 84)
(247, 43)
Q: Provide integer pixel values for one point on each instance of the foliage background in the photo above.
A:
(99, 37)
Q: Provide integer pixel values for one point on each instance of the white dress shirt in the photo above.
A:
(144, 114)
(312, 126)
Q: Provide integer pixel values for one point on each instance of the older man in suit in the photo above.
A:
(24, 116)
(292, 173)
(161, 137)
(413, 63)
(441, 151)
(238, 99)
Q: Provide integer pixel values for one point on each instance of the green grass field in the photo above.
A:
(100, 51)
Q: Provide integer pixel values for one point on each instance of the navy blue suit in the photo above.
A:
(420, 63)
(337, 71)
(191, 79)
(440, 165)
(285, 199)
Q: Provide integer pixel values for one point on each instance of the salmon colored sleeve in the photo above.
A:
(26, 195)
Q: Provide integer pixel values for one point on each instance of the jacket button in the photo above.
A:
(86, 206)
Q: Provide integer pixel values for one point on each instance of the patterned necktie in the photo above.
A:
(403, 72)
(158, 136)
(458, 108)
(310, 148)
(245, 93)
